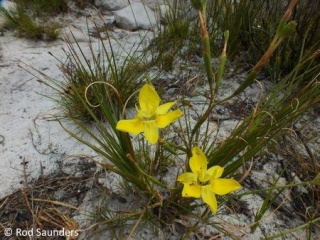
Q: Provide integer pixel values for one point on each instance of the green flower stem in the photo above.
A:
(206, 51)
(128, 144)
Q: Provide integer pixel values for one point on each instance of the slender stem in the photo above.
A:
(206, 52)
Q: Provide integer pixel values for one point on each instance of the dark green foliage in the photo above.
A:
(252, 25)
(40, 8)
(26, 27)
(31, 18)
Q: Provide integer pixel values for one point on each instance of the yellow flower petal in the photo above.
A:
(213, 172)
(224, 186)
(188, 177)
(209, 198)
(151, 132)
(134, 126)
(198, 161)
(149, 100)
(164, 120)
(191, 190)
(164, 108)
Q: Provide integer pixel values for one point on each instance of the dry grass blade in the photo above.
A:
(55, 203)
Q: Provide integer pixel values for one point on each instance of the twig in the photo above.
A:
(55, 203)
(23, 191)
(25, 175)
(4, 202)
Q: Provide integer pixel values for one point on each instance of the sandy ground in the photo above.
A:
(26, 136)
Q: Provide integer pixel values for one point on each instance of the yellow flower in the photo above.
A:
(205, 183)
(151, 116)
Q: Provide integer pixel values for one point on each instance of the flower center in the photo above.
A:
(201, 183)
(146, 116)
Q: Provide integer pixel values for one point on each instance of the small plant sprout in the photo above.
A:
(205, 183)
(151, 116)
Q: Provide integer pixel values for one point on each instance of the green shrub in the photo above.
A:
(27, 27)
(41, 8)
(252, 25)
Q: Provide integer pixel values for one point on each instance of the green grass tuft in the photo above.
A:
(27, 26)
